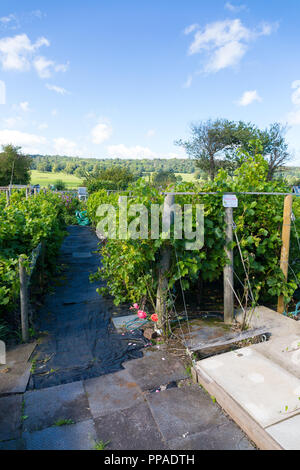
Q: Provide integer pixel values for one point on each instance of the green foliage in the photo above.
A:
(60, 185)
(14, 166)
(113, 178)
(217, 144)
(163, 178)
(23, 225)
(130, 267)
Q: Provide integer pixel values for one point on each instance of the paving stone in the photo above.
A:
(287, 433)
(10, 417)
(130, 429)
(225, 437)
(156, 368)
(79, 436)
(187, 409)
(20, 353)
(16, 379)
(264, 389)
(111, 392)
(45, 407)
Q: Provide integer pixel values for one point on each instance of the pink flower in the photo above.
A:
(154, 317)
(136, 306)
(141, 314)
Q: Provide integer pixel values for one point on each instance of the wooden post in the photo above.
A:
(164, 266)
(285, 249)
(228, 269)
(7, 197)
(24, 299)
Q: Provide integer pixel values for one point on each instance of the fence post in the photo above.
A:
(7, 197)
(285, 249)
(164, 266)
(24, 299)
(228, 269)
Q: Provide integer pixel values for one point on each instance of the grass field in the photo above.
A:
(45, 178)
(189, 177)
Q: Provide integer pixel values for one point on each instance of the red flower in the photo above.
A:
(154, 317)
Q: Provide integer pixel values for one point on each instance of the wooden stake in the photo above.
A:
(24, 300)
(164, 266)
(228, 269)
(7, 197)
(285, 249)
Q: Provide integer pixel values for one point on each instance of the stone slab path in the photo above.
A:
(92, 385)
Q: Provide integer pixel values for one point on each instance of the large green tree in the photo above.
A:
(216, 144)
(14, 166)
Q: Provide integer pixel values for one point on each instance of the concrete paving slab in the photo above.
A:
(185, 411)
(279, 325)
(10, 417)
(156, 368)
(20, 353)
(287, 433)
(284, 351)
(112, 392)
(130, 429)
(261, 387)
(67, 401)
(14, 377)
(225, 437)
(79, 436)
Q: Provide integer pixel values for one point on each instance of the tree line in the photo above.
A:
(213, 144)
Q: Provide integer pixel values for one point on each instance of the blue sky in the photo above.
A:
(107, 78)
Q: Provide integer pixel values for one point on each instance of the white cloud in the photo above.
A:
(57, 89)
(226, 42)
(101, 132)
(46, 67)
(30, 143)
(294, 115)
(191, 28)
(296, 93)
(64, 146)
(137, 152)
(249, 97)
(9, 22)
(188, 82)
(43, 126)
(19, 53)
(24, 106)
(2, 92)
(43, 66)
(12, 122)
(234, 8)
(121, 151)
(16, 52)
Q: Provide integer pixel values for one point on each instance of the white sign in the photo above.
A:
(230, 200)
